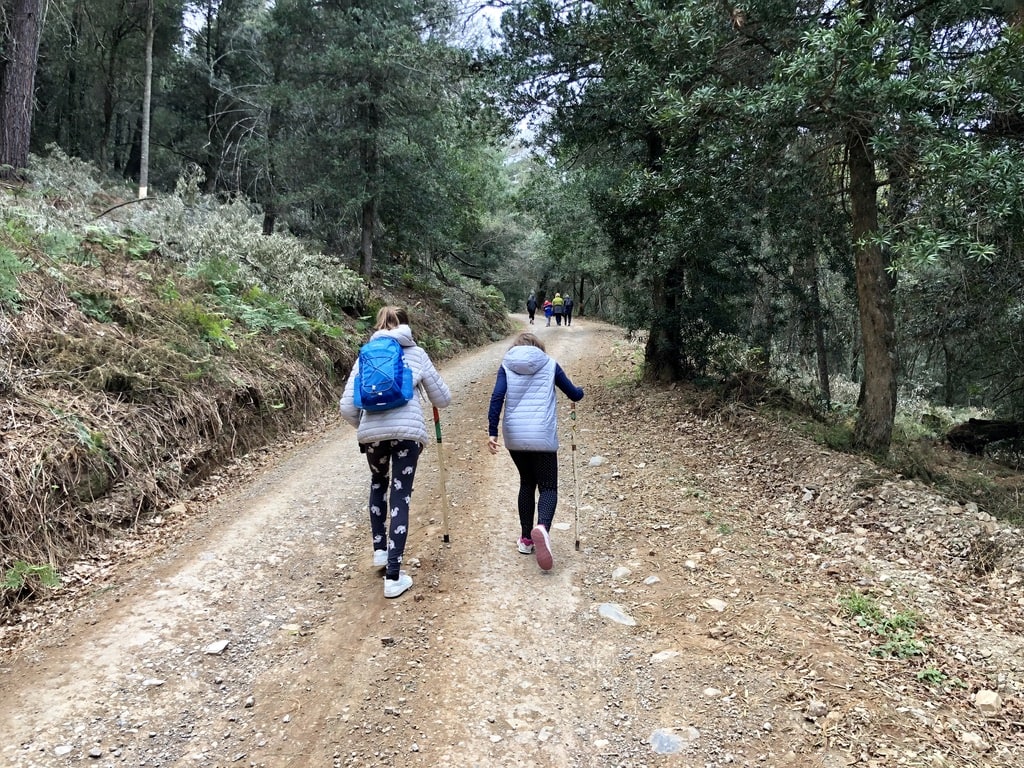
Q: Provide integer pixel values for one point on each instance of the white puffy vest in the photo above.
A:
(530, 422)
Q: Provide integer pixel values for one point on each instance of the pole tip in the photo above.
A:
(577, 545)
(445, 539)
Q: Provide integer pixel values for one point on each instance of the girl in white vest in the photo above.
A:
(526, 388)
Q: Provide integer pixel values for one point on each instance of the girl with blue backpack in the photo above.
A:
(391, 432)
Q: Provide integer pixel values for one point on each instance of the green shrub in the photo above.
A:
(212, 328)
(10, 267)
(23, 575)
(226, 243)
(259, 311)
(94, 305)
(897, 632)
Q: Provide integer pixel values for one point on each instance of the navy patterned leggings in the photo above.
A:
(396, 458)
(537, 471)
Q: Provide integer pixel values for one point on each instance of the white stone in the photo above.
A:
(715, 604)
(661, 656)
(712, 693)
(216, 648)
(63, 749)
(987, 702)
(614, 612)
(597, 461)
(621, 573)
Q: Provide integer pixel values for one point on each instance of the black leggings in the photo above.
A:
(537, 471)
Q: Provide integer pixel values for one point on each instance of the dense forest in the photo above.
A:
(821, 191)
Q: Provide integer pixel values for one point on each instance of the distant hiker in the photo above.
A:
(531, 306)
(548, 310)
(526, 387)
(392, 441)
(568, 310)
(558, 307)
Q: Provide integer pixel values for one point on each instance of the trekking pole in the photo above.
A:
(440, 467)
(575, 481)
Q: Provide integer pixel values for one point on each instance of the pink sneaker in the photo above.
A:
(525, 545)
(542, 545)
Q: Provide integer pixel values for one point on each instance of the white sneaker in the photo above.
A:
(398, 586)
(380, 558)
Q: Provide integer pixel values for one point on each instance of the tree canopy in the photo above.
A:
(837, 184)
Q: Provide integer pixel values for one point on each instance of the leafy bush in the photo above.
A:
(10, 267)
(212, 328)
(94, 305)
(57, 173)
(259, 311)
(226, 243)
(22, 575)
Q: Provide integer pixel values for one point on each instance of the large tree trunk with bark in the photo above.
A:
(873, 430)
(18, 56)
(662, 361)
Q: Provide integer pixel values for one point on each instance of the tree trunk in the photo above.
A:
(578, 308)
(367, 216)
(821, 351)
(661, 357)
(873, 430)
(370, 118)
(147, 95)
(18, 55)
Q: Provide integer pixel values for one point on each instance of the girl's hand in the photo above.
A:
(492, 445)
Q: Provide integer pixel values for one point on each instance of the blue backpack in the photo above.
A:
(384, 380)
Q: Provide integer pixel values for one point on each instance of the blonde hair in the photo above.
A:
(389, 318)
(527, 339)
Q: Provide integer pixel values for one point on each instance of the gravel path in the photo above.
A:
(704, 621)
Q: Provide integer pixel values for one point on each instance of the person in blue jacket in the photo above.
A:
(525, 386)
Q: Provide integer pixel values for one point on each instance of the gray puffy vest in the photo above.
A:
(530, 422)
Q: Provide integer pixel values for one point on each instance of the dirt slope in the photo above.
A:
(733, 546)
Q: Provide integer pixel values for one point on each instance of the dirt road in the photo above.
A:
(698, 625)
